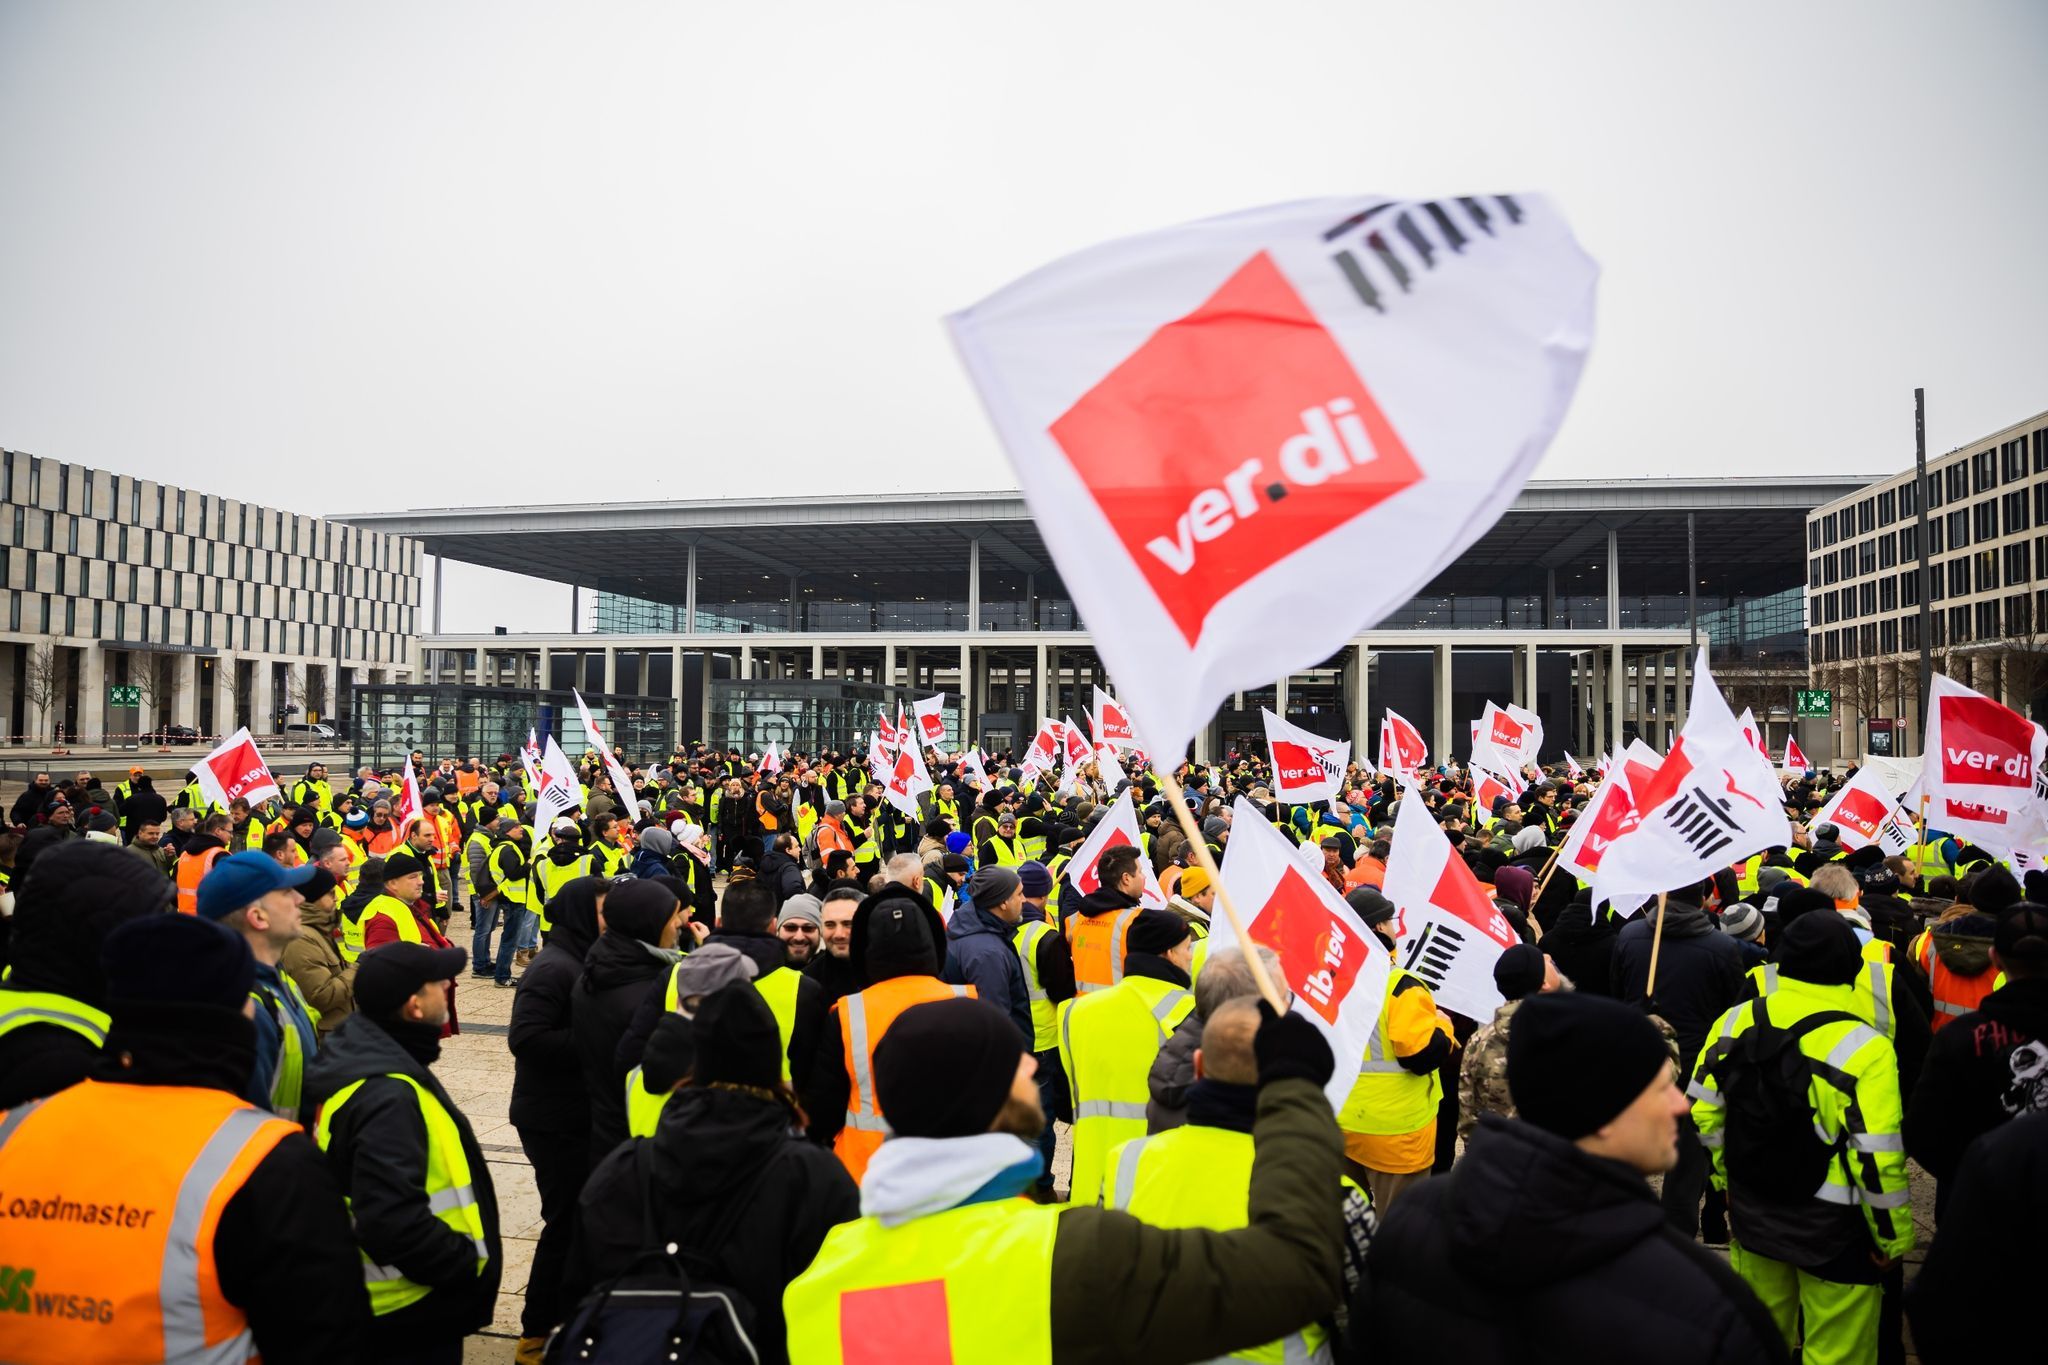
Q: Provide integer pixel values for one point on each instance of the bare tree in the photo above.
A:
(2022, 656)
(39, 677)
(227, 677)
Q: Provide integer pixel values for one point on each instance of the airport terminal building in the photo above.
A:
(741, 621)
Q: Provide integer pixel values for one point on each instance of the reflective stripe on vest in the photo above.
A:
(450, 1195)
(1044, 1015)
(1107, 1072)
(1200, 1177)
(21, 1008)
(157, 1286)
(1104, 959)
(1387, 1098)
(287, 1083)
(1009, 852)
(866, 1017)
(192, 870)
(392, 908)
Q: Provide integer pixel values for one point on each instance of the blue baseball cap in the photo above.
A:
(243, 879)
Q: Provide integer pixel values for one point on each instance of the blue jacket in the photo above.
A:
(983, 955)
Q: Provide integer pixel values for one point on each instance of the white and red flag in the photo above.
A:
(1753, 732)
(529, 759)
(1118, 826)
(1795, 758)
(1215, 422)
(1488, 788)
(406, 806)
(236, 769)
(931, 721)
(556, 790)
(1402, 749)
(1108, 769)
(1113, 723)
(1336, 967)
(1044, 754)
(1610, 813)
(879, 761)
(907, 779)
(1979, 752)
(1864, 812)
(887, 729)
(1572, 768)
(1713, 800)
(1446, 928)
(971, 768)
(1078, 749)
(771, 761)
(622, 782)
(1506, 739)
(1306, 767)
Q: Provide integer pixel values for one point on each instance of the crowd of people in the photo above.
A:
(789, 1058)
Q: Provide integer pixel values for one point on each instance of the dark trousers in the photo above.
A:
(561, 1163)
(1052, 1096)
(1685, 1182)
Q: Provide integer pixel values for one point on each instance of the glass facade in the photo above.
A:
(388, 722)
(810, 716)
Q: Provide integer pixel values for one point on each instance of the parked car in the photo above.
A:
(172, 734)
(318, 733)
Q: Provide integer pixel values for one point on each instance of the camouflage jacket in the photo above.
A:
(1483, 1075)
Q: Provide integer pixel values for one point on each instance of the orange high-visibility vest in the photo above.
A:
(192, 870)
(1099, 943)
(122, 1249)
(863, 1018)
(1954, 994)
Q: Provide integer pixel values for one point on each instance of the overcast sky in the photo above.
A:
(366, 256)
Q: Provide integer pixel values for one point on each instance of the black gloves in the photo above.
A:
(1289, 1047)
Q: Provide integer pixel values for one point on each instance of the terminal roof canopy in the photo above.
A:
(1750, 538)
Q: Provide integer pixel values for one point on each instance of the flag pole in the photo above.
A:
(1656, 942)
(1536, 897)
(1200, 849)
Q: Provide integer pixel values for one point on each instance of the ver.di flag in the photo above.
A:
(1044, 753)
(1118, 826)
(1713, 800)
(931, 720)
(1215, 422)
(1506, 739)
(1979, 753)
(1863, 812)
(1306, 767)
(1113, 723)
(771, 761)
(1402, 749)
(556, 790)
(236, 769)
(1610, 813)
(1336, 967)
(1446, 928)
(908, 779)
(1795, 758)
(408, 807)
(622, 782)
(1572, 768)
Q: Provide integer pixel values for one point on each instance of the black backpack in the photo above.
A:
(654, 1310)
(1769, 1147)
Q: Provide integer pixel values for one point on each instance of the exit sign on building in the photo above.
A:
(1813, 702)
(123, 694)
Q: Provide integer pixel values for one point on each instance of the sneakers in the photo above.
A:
(481, 972)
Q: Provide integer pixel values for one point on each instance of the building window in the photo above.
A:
(2012, 458)
(1909, 499)
(1887, 594)
(1958, 478)
(1984, 520)
(1983, 471)
(1958, 528)
(2015, 511)
(1959, 576)
(1813, 535)
(1909, 544)
(1866, 556)
(1959, 625)
(2041, 451)
(1866, 516)
(1866, 641)
(1827, 530)
(1887, 507)
(1866, 599)
(1887, 550)
(1887, 637)
(2019, 614)
(1987, 570)
(1830, 569)
(2016, 564)
(1909, 632)
(1987, 620)
(1934, 491)
(1813, 571)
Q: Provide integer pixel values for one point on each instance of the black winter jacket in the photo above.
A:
(1582, 943)
(618, 975)
(1988, 1256)
(981, 952)
(1699, 973)
(718, 1159)
(377, 1151)
(1982, 1070)
(765, 951)
(1532, 1251)
(783, 874)
(548, 1094)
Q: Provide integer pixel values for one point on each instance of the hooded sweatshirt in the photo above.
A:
(1982, 1071)
(1530, 1240)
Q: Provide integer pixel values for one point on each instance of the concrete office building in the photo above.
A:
(217, 612)
(1985, 601)
(792, 618)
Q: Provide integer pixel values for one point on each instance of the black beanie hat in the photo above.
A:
(1156, 932)
(1575, 1060)
(640, 909)
(944, 1068)
(1519, 971)
(1372, 907)
(1820, 949)
(1798, 901)
(177, 960)
(737, 1039)
(1994, 890)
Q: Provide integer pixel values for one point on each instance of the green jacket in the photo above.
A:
(1123, 1290)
